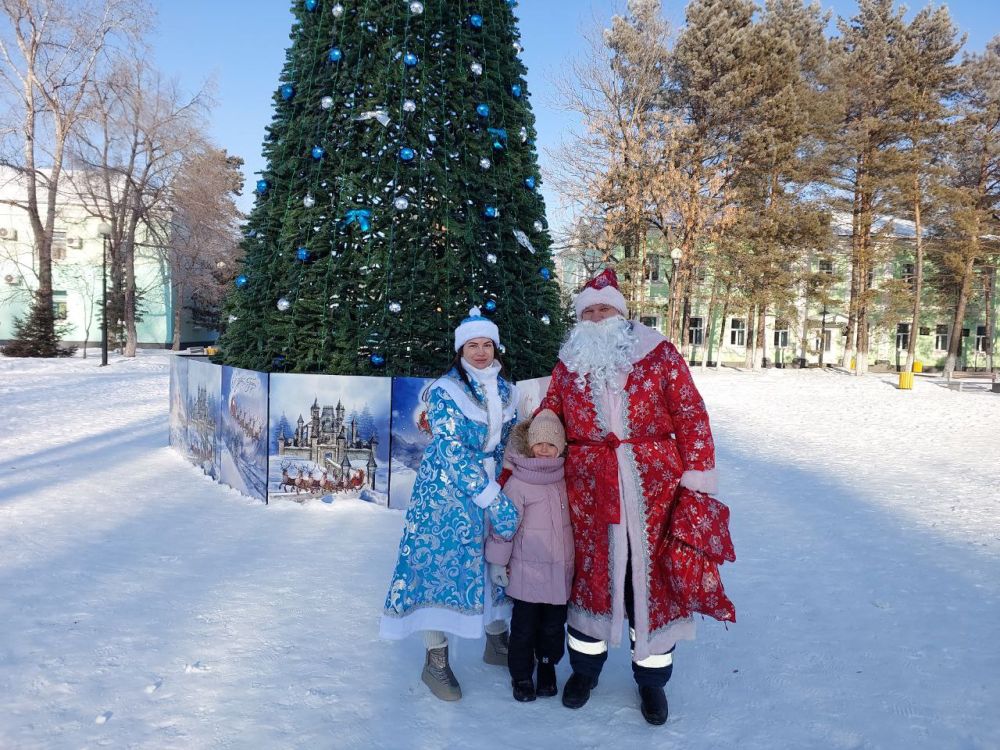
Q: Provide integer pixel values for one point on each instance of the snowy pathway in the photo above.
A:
(143, 606)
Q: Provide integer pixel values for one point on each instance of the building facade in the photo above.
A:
(77, 267)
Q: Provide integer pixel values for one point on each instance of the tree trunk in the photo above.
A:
(707, 328)
(748, 358)
(955, 342)
(760, 352)
(918, 281)
(176, 344)
(722, 325)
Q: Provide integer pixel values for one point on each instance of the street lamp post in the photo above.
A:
(675, 255)
(822, 336)
(104, 230)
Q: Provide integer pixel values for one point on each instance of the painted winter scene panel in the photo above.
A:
(411, 434)
(204, 388)
(529, 395)
(329, 438)
(178, 403)
(242, 438)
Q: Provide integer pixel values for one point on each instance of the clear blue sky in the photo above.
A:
(241, 45)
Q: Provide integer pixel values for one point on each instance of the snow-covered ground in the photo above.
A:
(144, 606)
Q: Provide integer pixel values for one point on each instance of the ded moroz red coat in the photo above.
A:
(629, 449)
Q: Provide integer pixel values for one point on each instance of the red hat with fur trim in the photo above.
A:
(601, 290)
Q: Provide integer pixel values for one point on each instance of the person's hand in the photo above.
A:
(498, 574)
(503, 517)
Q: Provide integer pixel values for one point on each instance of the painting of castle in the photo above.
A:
(329, 437)
(204, 385)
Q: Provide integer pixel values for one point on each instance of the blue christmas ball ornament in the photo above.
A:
(483, 110)
(407, 154)
(378, 360)
(410, 60)
(242, 281)
(476, 21)
(491, 305)
(516, 90)
(336, 54)
(546, 274)
(287, 91)
(262, 186)
(302, 254)
(317, 152)
(529, 182)
(311, 5)
(491, 212)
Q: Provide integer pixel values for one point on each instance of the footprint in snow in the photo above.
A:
(196, 668)
(150, 689)
(103, 718)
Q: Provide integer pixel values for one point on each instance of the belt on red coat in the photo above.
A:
(608, 505)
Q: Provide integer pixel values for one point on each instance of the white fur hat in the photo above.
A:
(476, 326)
(601, 290)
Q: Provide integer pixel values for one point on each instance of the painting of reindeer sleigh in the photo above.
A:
(328, 438)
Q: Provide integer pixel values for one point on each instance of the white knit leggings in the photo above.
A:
(437, 638)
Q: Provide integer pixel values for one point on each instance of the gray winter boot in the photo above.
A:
(496, 649)
(437, 675)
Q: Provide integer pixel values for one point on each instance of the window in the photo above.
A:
(781, 334)
(908, 274)
(737, 332)
(826, 266)
(650, 321)
(981, 339)
(902, 336)
(941, 338)
(653, 267)
(696, 331)
(58, 244)
(827, 340)
(59, 308)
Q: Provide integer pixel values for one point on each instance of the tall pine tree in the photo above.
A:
(401, 189)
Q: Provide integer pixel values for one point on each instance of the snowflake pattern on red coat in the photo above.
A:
(666, 417)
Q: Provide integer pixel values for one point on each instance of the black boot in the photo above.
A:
(546, 680)
(577, 690)
(654, 704)
(524, 691)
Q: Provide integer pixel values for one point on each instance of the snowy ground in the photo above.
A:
(144, 606)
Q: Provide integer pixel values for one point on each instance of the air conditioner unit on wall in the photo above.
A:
(8, 234)
(12, 279)
(75, 242)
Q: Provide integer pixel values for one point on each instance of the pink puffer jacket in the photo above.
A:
(540, 556)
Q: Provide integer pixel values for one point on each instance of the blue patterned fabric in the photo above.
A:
(440, 578)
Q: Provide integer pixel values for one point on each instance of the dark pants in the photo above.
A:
(537, 631)
(591, 664)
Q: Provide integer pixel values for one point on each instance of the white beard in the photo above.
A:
(599, 352)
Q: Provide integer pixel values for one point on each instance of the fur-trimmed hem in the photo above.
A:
(701, 481)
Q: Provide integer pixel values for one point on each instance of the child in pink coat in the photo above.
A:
(536, 566)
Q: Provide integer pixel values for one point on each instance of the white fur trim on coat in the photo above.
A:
(701, 481)
(606, 296)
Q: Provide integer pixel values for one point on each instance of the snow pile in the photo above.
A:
(146, 606)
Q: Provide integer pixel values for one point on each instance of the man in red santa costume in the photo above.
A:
(637, 429)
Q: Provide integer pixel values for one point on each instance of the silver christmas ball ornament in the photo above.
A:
(395, 307)
(416, 7)
(491, 257)
(485, 163)
(337, 10)
(309, 201)
(476, 68)
(546, 319)
(284, 304)
(401, 203)
(326, 102)
(409, 106)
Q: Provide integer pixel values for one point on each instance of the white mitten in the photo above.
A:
(498, 574)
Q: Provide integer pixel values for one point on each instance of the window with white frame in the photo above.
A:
(653, 267)
(908, 274)
(981, 339)
(941, 337)
(781, 334)
(738, 332)
(58, 244)
(650, 321)
(824, 339)
(902, 336)
(59, 307)
(696, 331)
(826, 266)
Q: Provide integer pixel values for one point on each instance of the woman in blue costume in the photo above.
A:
(440, 584)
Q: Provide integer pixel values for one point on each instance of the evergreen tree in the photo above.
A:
(401, 189)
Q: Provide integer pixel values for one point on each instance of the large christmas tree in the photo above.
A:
(401, 189)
